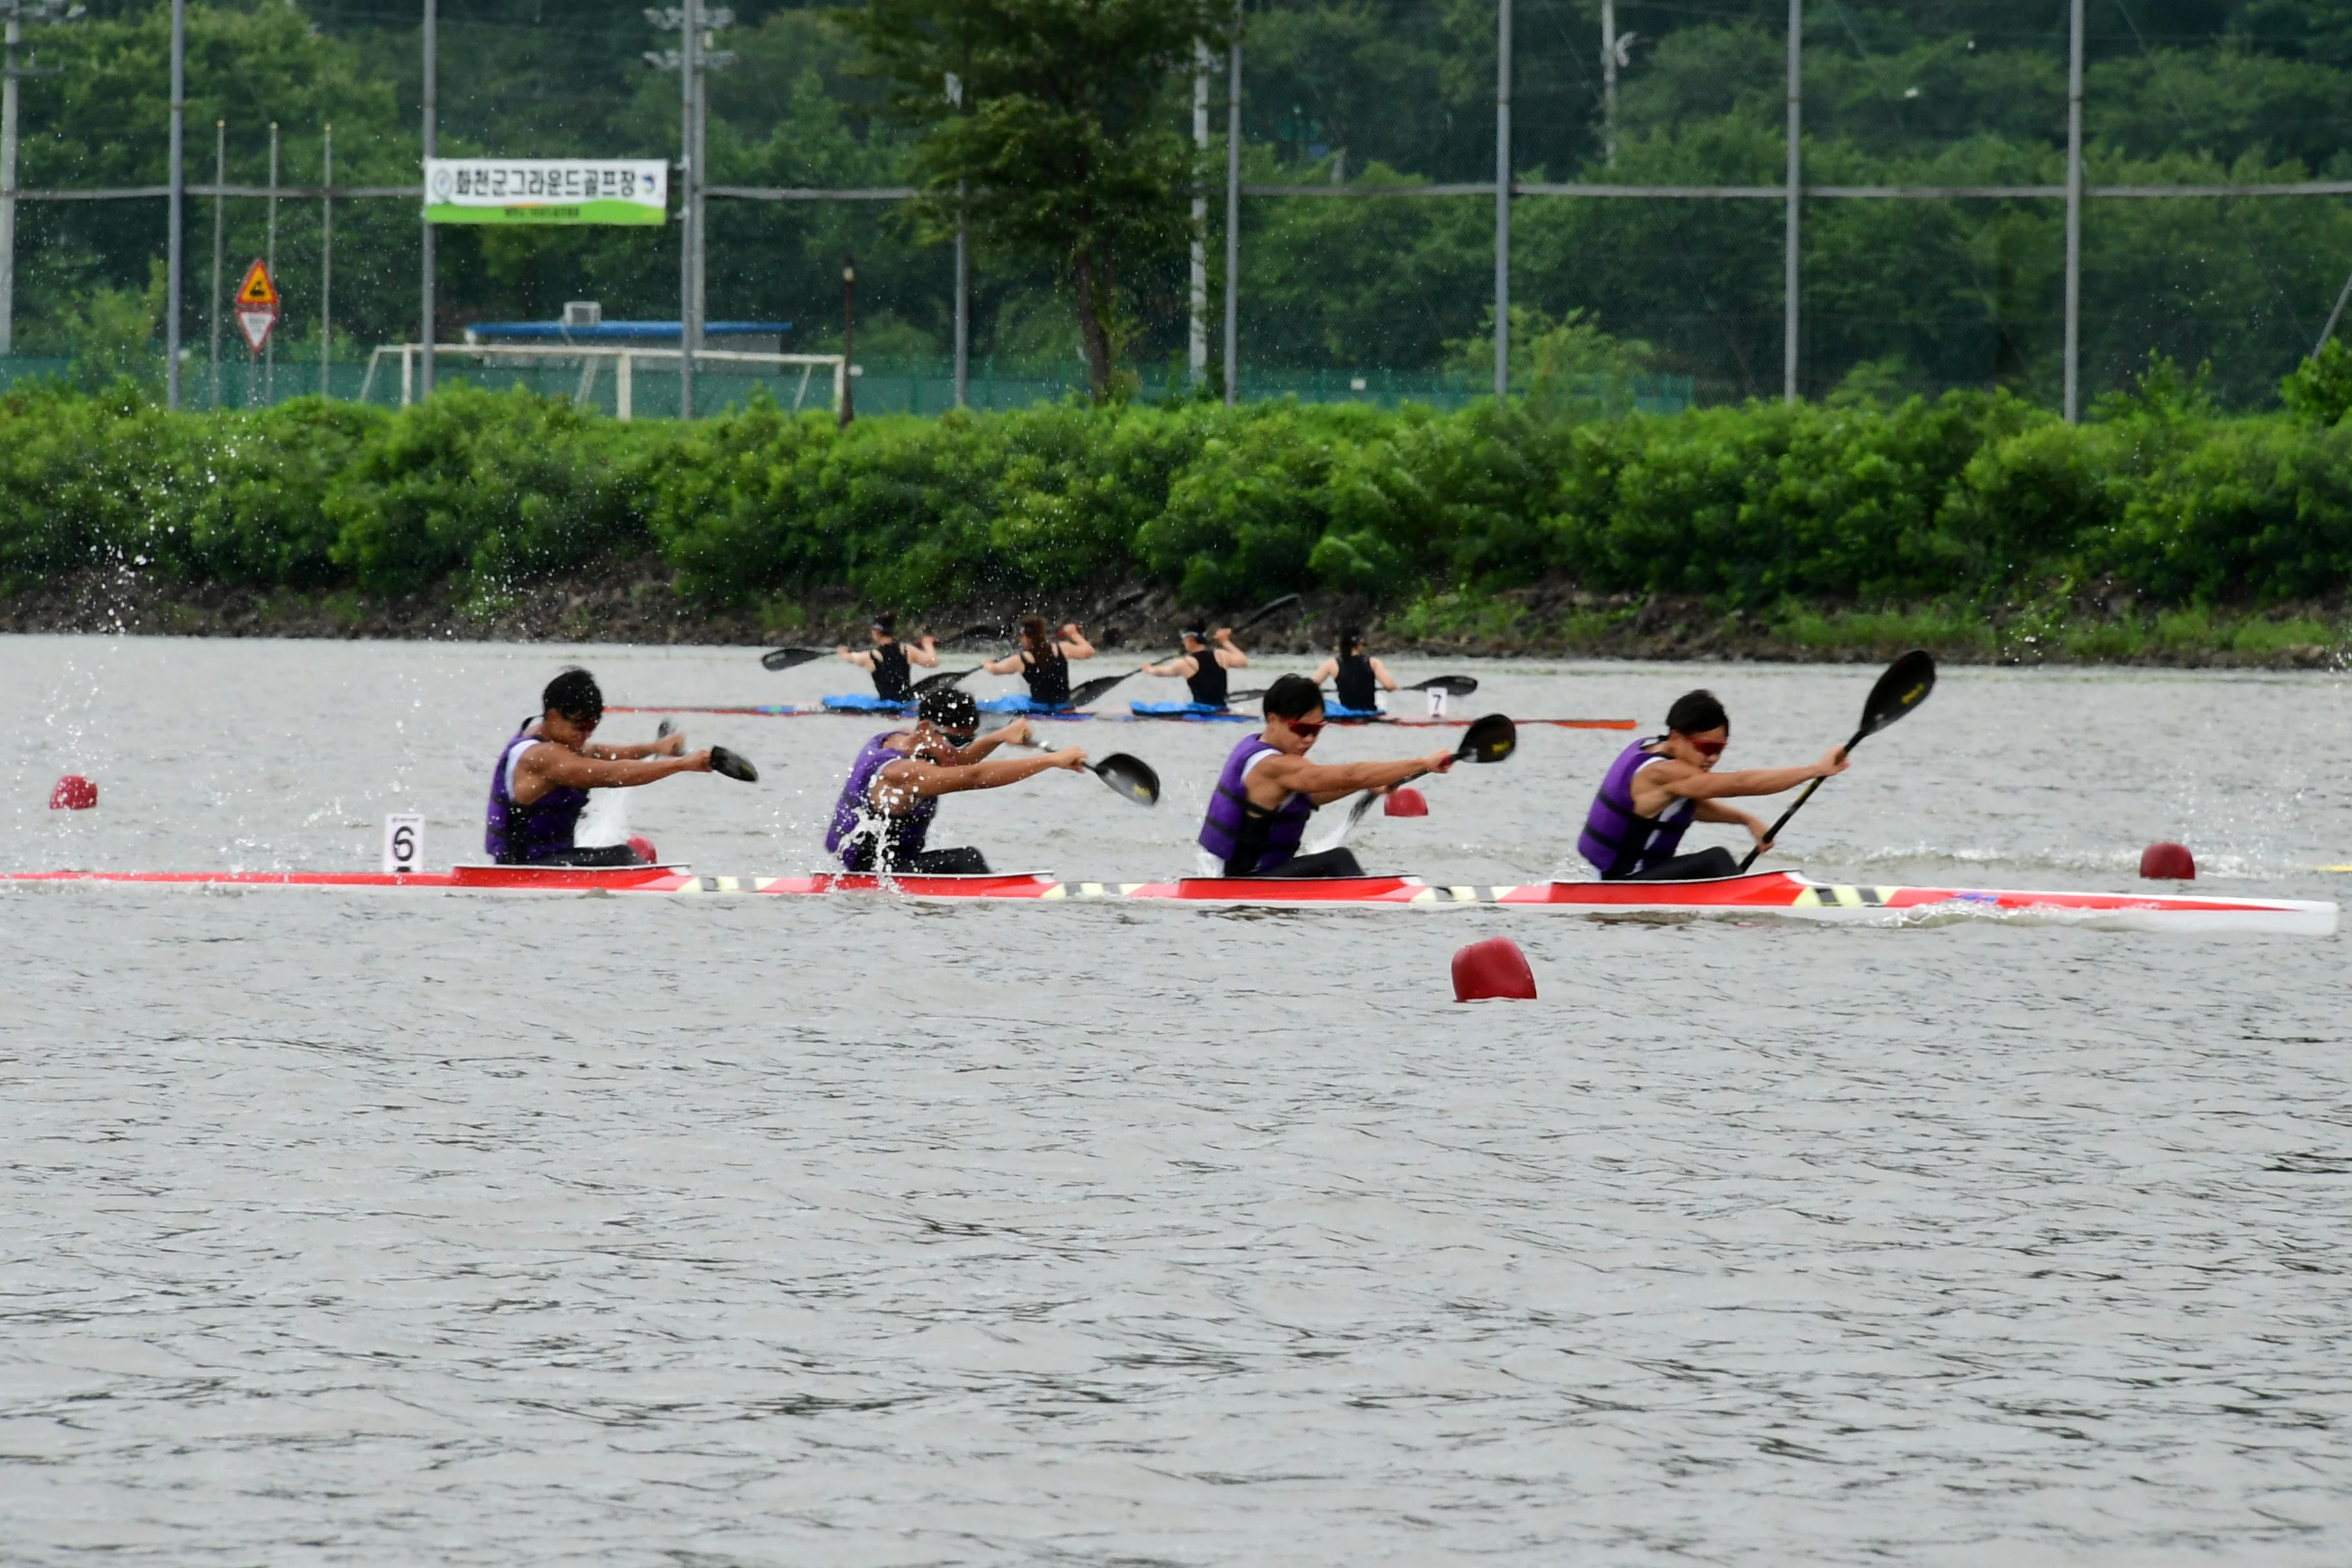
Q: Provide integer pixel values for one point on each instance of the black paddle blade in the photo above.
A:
(723, 761)
(1452, 685)
(785, 657)
(944, 677)
(665, 729)
(1082, 695)
(1488, 740)
(1132, 776)
(1263, 611)
(1903, 687)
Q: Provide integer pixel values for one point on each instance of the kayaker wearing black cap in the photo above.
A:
(1268, 790)
(543, 776)
(1353, 674)
(888, 658)
(1204, 667)
(892, 793)
(1657, 788)
(1043, 661)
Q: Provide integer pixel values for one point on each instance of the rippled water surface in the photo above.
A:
(428, 1228)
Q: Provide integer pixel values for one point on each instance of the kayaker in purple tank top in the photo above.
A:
(884, 816)
(544, 773)
(1268, 790)
(1655, 789)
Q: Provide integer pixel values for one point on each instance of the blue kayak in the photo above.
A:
(1199, 712)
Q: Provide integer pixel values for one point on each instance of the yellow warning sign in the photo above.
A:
(259, 291)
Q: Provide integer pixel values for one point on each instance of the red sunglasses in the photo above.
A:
(1709, 748)
(1306, 731)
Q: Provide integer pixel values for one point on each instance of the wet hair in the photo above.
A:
(1351, 640)
(1033, 634)
(1697, 712)
(1292, 697)
(947, 708)
(574, 695)
(887, 623)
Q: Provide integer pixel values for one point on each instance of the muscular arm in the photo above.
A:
(900, 785)
(667, 746)
(925, 652)
(1184, 665)
(1074, 643)
(1228, 655)
(1666, 780)
(545, 767)
(1009, 665)
(1380, 673)
(862, 660)
(1325, 671)
(1278, 776)
(1015, 733)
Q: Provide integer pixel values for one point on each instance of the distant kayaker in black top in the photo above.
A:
(888, 658)
(1204, 666)
(1043, 661)
(1353, 674)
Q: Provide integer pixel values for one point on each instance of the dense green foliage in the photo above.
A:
(1973, 501)
(1912, 296)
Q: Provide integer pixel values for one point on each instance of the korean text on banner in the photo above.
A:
(546, 190)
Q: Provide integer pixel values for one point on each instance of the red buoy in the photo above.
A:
(645, 849)
(1405, 801)
(74, 792)
(1493, 968)
(2167, 863)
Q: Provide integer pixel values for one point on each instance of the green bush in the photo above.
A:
(1968, 502)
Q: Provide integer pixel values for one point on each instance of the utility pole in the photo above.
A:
(848, 339)
(220, 201)
(18, 12)
(269, 350)
(432, 95)
(2074, 211)
(962, 273)
(1792, 218)
(1232, 219)
(1613, 58)
(1197, 350)
(692, 59)
(326, 259)
(1503, 198)
(179, 204)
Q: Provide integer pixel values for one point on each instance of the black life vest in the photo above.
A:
(891, 681)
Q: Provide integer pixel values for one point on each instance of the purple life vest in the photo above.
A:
(860, 827)
(1617, 839)
(518, 834)
(1246, 836)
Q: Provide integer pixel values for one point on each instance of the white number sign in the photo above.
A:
(403, 844)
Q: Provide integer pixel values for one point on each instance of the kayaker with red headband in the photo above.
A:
(888, 659)
(1657, 788)
(893, 790)
(1268, 790)
(541, 782)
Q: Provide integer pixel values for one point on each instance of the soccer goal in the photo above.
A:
(583, 373)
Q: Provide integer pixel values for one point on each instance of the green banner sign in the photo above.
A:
(546, 190)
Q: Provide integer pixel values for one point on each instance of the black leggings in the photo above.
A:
(962, 861)
(1697, 866)
(602, 854)
(1323, 863)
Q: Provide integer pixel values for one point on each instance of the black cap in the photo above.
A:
(948, 709)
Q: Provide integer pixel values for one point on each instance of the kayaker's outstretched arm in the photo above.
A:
(1716, 811)
(1009, 665)
(1325, 784)
(1016, 734)
(671, 745)
(1183, 665)
(913, 780)
(1668, 780)
(560, 767)
(859, 657)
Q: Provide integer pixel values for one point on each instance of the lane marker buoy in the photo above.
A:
(73, 792)
(2168, 862)
(1405, 801)
(1492, 969)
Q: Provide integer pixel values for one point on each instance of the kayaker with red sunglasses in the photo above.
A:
(1657, 788)
(1268, 790)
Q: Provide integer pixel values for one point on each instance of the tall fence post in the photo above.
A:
(174, 261)
(1503, 198)
(1196, 348)
(269, 348)
(1791, 279)
(1232, 219)
(963, 306)
(431, 96)
(326, 259)
(2073, 210)
(220, 200)
(8, 192)
(690, 26)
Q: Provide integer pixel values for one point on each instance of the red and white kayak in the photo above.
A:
(1764, 894)
(817, 711)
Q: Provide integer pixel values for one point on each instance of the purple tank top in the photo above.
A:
(855, 815)
(1244, 836)
(518, 834)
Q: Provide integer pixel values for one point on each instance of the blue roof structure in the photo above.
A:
(624, 332)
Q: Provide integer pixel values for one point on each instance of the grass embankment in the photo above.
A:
(2159, 531)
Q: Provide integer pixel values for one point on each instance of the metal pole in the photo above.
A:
(2074, 209)
(690, 24)
(843, 399)
(8, 194)
(1608, 82)
(326, 259)
(1197, 351)
(1233, 221)
(269, 253)
(2343, 295)
(220, 178)
(962, 307)
(432, 103)
(1789, 280)
(1503, 198)
(174, 260)
(701, 179)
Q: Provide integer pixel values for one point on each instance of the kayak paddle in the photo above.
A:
(1903, 687)
(786, 657)
(1093, 690)
(1452, 685)
(944, 677)
(1130, 776)
(1488, 740)
(733, 766)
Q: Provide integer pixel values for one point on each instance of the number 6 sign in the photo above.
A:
(403, 844)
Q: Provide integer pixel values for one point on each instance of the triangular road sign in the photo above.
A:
(259, 291)
(256, 325)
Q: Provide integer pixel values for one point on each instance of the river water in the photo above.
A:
(468, 1230)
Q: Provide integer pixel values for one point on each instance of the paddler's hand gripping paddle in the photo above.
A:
(722, 761)
(1903, 687)
(1488, 740)
(1129, 776)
